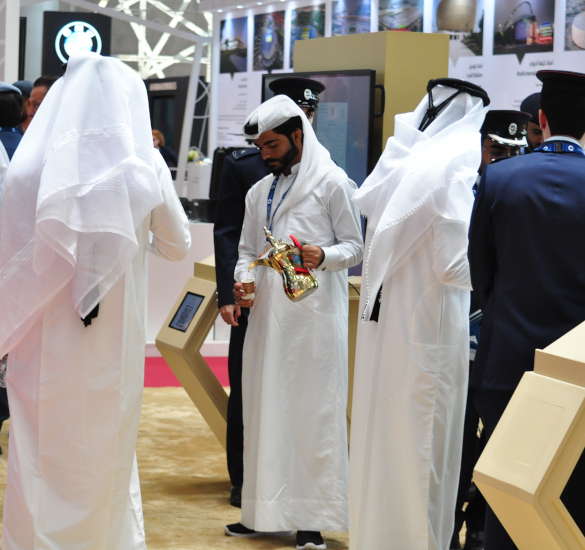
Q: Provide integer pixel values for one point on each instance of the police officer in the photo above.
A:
(241, 169)
(531, 105)
(526, 258)
(503, 135)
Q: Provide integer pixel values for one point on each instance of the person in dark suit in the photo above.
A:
(526, 257)
(241, 169)
(531, 105)
(503, 135)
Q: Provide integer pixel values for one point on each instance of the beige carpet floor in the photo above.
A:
(184, 480)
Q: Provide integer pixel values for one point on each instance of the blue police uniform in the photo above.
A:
(527, 264)
(241, 169)
(10, 138)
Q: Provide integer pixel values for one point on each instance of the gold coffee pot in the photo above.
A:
(298, 281)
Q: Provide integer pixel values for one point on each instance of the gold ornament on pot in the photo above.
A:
(286, 258)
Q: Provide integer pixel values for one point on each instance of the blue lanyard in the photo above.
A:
(559, 146)
(10, 129)
(269, 219)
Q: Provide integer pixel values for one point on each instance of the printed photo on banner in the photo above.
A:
(463, 21)
(522, 27)
(405, 15)
(269, 41)
(350, 16)
(306, 23)
(575, 25)
(233, 45)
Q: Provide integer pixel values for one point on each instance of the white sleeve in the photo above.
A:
(450, 262)
(247, 251)
(4, 160)
(168, 223)
(345, 219)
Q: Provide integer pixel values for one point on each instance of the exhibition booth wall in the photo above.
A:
(498, 44)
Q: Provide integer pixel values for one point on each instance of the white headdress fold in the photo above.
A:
(79, 184)
(420, 175)
(316, 162)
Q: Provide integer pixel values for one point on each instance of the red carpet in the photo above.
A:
(157, 374)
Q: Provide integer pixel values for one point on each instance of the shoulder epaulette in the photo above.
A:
(245, 152)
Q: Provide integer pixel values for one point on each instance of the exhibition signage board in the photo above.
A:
(498, 44)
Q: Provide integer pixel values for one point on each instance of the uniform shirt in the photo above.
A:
(10, 138)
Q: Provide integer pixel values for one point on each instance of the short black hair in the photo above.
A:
(46, 81)
(566, 116)
(11, 109)
(289, 126)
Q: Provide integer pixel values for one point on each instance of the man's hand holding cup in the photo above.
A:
(244, 292)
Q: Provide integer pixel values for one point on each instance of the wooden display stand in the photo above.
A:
(404, 62)
(185, 329)
(180, 339)
(534, 449)
(355, 285)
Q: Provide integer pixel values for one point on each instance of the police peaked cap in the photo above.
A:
(5, 87)
(506, 127)
(562, 90)
(531, 105)
(303, 91)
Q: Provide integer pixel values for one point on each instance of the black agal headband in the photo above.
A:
(460, 86)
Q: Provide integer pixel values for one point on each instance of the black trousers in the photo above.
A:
(490, 405)
(474, 515)
(235, 424)
(4, 410)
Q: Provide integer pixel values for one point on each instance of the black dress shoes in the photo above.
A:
(310, 540)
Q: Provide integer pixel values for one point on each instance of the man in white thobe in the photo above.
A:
(412, 352)
(83, 191)
(295, 353)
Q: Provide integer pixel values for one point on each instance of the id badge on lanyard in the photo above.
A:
(559, 146)
(269, 216)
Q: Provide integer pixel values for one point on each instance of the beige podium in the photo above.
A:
(404, 62)
(188, 324)
(181, 337)
(535, 447)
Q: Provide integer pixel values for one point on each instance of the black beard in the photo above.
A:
(284, 162)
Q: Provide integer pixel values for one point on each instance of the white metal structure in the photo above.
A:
(9, 31)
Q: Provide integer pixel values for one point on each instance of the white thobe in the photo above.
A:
(4, 161)
(294, 379)
(412, 364)
(75, 395)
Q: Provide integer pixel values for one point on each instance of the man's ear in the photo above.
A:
(542, 120)
(298, 138)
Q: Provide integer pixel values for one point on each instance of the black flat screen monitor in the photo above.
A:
(343, 122)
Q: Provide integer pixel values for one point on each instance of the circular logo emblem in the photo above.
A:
(77, 37)
(513, 129)
(308, 94)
